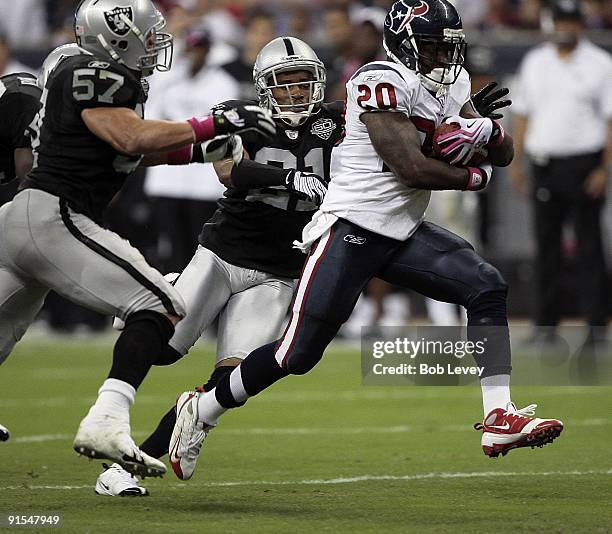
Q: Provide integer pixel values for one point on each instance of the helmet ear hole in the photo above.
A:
(123, 45)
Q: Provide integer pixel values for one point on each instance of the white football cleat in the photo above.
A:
(187, 436)
(508, 429)
(104, 436)
(4, 433)
(115, 481)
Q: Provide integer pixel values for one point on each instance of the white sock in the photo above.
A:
(495, 392)
(114, 396)
(209, 409)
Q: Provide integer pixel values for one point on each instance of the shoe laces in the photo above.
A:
(527, 411)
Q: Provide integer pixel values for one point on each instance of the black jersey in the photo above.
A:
(19, 103)
(69, 160)
(256, 228)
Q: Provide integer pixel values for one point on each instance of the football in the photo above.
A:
(444, 128)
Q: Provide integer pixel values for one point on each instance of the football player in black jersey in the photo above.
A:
(245, 267)
(89, 136)
(19, 103)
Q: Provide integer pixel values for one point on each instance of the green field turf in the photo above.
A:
(315, 453)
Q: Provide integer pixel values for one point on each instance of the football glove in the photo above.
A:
(308, 185)
(459, 146)
(478, 177)
(487, 101)
(241, 119)
(223, 147)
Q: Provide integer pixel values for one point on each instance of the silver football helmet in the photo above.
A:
(286, 54)
(129, 33)
(54, 58)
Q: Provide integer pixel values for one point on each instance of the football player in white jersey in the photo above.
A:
(371, 224)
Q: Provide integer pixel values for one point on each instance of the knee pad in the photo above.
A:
(162, 324)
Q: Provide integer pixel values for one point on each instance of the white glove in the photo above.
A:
(310, 185)
(461, 144)
(223, 147)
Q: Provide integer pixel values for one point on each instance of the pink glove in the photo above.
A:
(461, 144)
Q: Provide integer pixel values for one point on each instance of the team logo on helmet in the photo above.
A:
(323, 128)
(398, 19)
(114, 19)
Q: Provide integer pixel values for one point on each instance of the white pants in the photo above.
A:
(45, 245)
(251, 305)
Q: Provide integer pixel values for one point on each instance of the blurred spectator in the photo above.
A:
(185, 196)
(472, 11)
(259, 30)
(24, 23)
(7, 63)
(339, 34)
(563, 107)
(349, 53)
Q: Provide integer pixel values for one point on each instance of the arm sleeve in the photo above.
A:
(253, 175)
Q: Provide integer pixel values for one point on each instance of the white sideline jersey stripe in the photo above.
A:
(352, 480)
(301, 293)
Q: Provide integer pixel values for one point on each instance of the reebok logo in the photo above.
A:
(354, 240)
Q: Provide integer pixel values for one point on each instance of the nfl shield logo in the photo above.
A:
(115, 22)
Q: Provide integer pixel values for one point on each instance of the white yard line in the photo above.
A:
(364, 394)
(299, 431)
(351, 480)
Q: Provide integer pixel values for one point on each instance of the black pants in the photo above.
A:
(558, 197)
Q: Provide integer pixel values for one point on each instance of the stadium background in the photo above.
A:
(500, 32)
(380, 457)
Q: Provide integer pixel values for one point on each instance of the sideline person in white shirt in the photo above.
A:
(563, 127)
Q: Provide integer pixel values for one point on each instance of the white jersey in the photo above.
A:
(363, 190)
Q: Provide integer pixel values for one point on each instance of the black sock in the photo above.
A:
(487, 320)
(145, 334)
(157, 443)
(259, 370)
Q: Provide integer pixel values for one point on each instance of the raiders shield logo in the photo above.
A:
(323, 128)
(115, 22)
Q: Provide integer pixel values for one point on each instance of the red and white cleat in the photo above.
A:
(503, 430)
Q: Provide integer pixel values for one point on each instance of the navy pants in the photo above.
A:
(433, 261)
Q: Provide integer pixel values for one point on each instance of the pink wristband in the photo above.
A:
(204, 129)
(477, 179)
(180, 156)
(498, 137)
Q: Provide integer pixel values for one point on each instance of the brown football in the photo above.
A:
(444, 128)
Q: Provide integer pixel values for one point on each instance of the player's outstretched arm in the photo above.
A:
(397, 142)
(126, 132)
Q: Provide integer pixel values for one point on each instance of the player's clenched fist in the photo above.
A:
(244, 118)
(308, 184)
(237, 120)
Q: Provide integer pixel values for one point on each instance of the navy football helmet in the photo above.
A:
(426, 36)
